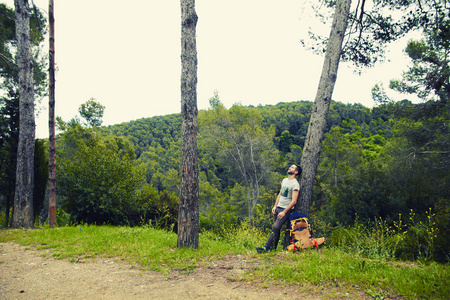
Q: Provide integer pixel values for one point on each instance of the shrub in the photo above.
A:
(442, 220)
(420, 239)
(98, 186)
(222, 219)
(378, 240)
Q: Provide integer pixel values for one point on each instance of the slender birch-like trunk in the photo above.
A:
(318, 121)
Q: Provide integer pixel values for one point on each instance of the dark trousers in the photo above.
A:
(274, 237)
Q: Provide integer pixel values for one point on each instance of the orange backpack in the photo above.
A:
(301, 235)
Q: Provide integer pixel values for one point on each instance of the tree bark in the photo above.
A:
(318, 121)
(23, 198)
(51, 123)
(188, 215)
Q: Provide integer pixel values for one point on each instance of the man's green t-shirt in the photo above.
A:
(287, 186)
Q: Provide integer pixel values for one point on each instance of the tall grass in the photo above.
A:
(155, 249)
(379, 240)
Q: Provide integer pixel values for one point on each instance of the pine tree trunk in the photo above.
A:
(51, 123)
(318, 121)
(23, 198)
(188, 215)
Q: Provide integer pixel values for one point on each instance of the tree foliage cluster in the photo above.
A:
(100, 181)
(372, 25)
(369, 175)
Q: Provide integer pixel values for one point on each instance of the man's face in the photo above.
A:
(292, 170)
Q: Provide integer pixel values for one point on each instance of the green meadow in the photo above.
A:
(156, 249)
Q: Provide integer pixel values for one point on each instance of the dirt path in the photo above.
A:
(30, 274)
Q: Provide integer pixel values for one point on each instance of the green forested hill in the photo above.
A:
(292, 117)
(156, 139)
(145, 132)
(156, 144)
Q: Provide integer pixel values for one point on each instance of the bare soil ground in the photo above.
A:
(26, 273)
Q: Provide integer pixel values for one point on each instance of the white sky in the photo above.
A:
(126, 55)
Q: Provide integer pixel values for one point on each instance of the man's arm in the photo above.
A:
(291, 205)
(276, 203)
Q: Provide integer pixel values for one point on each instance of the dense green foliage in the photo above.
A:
(98, 185)
(379, 163)
(428, 77)
(100, 182)
(40, 176)
(236, 140)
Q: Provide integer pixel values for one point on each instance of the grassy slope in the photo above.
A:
(156, 250)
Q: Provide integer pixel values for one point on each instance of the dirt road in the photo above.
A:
(32, 274)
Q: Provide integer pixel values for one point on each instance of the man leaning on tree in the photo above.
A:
(283, 207)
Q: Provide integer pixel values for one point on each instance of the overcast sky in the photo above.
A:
(126, 55)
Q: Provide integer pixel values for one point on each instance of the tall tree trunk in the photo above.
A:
(318, 121)
(23, 198)
(51, 123)
(188, 216)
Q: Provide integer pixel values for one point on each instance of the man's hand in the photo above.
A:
(273, 209)
(281, 215)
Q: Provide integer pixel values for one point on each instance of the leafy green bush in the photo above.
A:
(263, 219)
(156, 209)
(442, 220)
(319, 224)
(62, 217)
(204, 222)
(166, 211)
(98, 186)
(420, 239)
(2, 218)
(222, 220)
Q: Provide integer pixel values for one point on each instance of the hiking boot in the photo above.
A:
(261, 249)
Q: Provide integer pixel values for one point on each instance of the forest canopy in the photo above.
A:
(372, 163)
